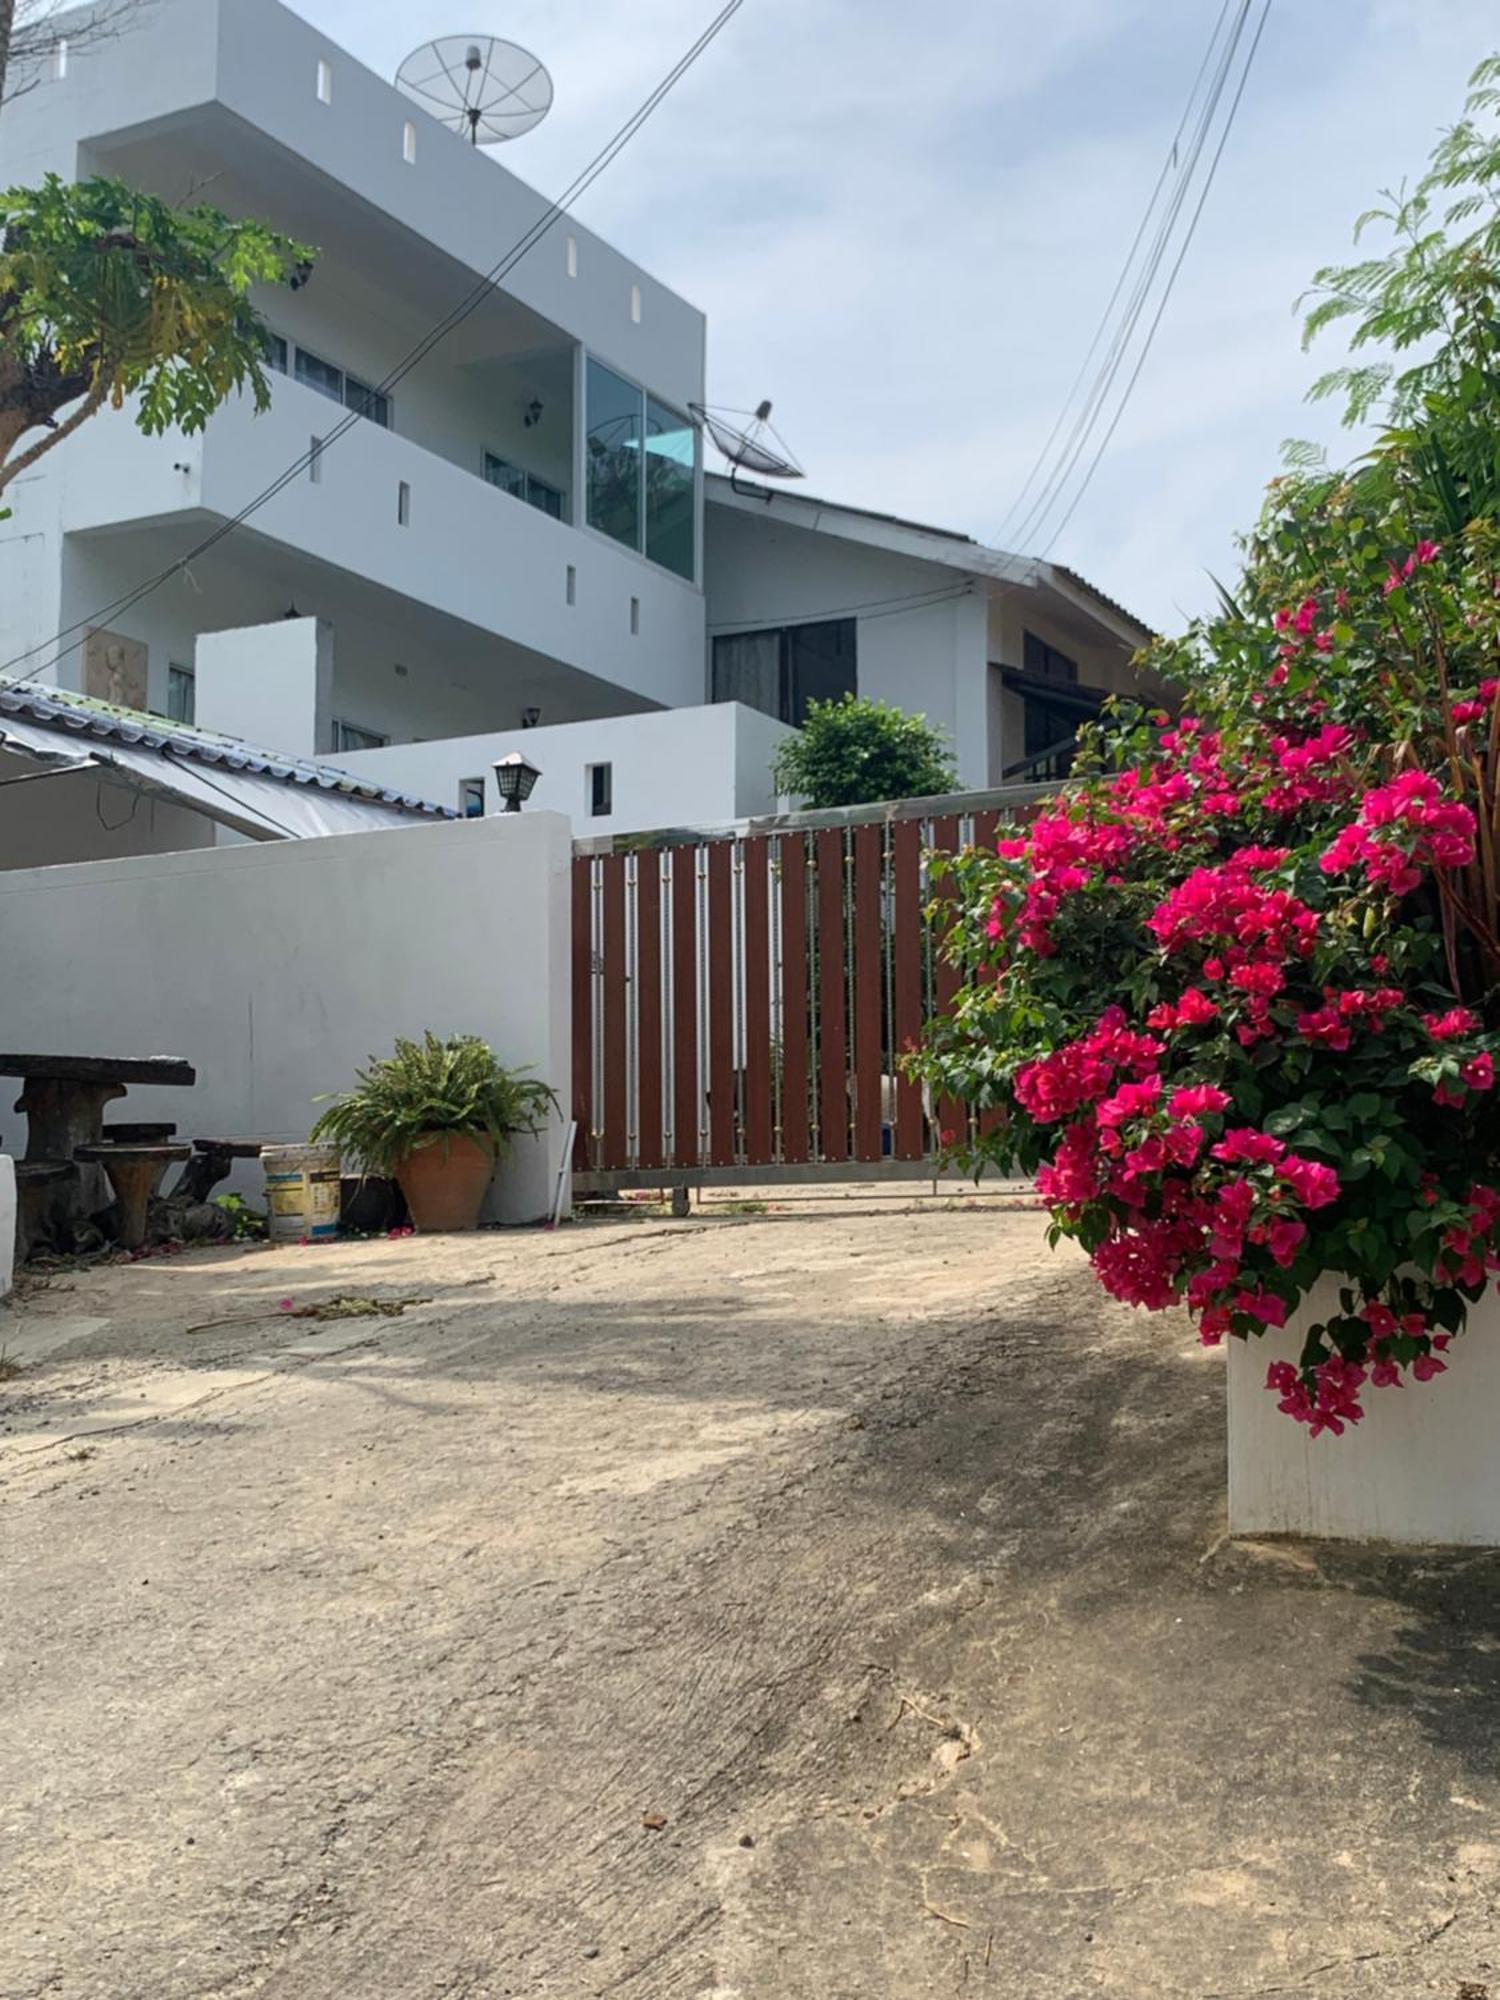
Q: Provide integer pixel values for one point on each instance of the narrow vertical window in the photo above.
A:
(601, 781)
(572, 584)
(315, 461)
(60, 58)
(409, 144)
(635, 617)
(471, 797)
(403, 505)
(325, 81)
(635, 303)
(572, 256)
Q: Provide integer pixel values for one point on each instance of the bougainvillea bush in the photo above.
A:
(1237, 989)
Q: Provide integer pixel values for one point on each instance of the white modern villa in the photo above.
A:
(519, 547)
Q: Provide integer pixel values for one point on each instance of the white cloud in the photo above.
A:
(903, 224)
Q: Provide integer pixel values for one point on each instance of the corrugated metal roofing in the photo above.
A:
(81, 715)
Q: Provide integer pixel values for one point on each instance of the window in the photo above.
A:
(409, 144)
(523, 485)
(1045, 661)
(572, 256)
(782, 670)
(276, 356)
(471, 797)
(570, 589)
(182, 694)
(349, 736)
(601, 784)
(325, 82)
(642, 472)
(403, 504)
(635, 304)
(671, 488)
(316, 373)
(315, 460)
(635, 618)
(60, 59)
(616, 413)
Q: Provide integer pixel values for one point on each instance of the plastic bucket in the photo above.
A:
(302, 1193)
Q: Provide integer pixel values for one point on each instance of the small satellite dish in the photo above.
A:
(477, 85)
(752, 445)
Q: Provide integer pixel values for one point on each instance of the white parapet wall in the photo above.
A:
(670, 767)
(7, 1223)
(1421, 1468)
(278, 969)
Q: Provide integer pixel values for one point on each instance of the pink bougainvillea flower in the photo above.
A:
(1195, 1100)
(1479, 1072)
(1447, 1027)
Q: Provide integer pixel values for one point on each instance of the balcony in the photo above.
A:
(380, 507)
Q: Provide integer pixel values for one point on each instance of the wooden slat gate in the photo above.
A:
(740, 1003)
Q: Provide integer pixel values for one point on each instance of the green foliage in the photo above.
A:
(247, 1224)
(106, 292)
(426, 1092)
(858, 753)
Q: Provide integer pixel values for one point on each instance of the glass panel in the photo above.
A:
(349, 736)
(821, 664)
(1040, 658)
(671, 489)
(546, 499)
(369, 402)
(747, 668)
(615, 412)
(471, 797)
(509, 478)
(181, 694)
(276, 353)
(601, 790)
(320, 375)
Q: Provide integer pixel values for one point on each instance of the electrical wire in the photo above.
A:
(470, 302)
(1168, 164)
(1035, 521)
(873, 607)
(1187, 240)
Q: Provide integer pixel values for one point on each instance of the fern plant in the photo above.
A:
(430, 1092)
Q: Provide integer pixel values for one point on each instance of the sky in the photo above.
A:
(904, 223)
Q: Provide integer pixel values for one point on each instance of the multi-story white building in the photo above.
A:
(520, 535)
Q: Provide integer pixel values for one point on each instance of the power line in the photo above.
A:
(1167, 166)
(1089, 415)
(872, 607)
(472, 299)
(1187, 240)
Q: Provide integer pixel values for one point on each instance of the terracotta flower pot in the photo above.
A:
(445, 1182)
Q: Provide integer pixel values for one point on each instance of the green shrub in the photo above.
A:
(428, 1091)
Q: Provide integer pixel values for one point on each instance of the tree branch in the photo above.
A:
(91, 403)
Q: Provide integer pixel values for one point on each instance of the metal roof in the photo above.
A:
(82, 716)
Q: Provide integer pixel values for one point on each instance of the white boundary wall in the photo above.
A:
(277, 969)
(1421, 1468)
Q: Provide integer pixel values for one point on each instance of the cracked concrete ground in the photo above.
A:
(821, 1604)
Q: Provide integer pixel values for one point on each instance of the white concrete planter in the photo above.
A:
(7, 1222)
(1424, 1466)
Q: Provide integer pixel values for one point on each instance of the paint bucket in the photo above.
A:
(302, 1193)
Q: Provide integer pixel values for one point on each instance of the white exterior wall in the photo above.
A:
(1421, 1467)
(676, 767)
(271, 685)
(930, 660)
(278, 969)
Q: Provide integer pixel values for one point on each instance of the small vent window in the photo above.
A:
(325, 82)
(601, 779)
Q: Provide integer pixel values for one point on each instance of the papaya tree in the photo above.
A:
(107, 293)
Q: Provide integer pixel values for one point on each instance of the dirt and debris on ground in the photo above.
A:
(822, 1603)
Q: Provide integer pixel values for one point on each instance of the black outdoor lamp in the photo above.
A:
(515, 780)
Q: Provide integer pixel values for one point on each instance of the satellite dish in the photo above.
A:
(484, 88)
(750, 446)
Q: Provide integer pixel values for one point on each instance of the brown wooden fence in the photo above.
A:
(741, 1002)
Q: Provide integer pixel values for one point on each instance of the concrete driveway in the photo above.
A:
(824, 1603)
